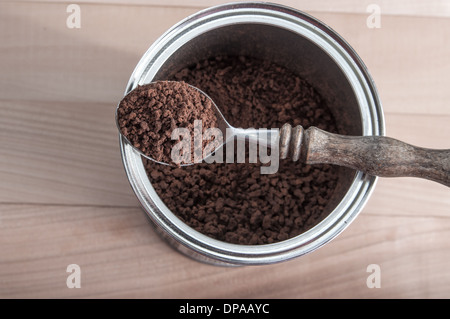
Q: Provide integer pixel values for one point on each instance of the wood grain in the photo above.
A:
(431, 8)
(64, 153)
(93, 63)
(64, 196)
(43, 60)
(121, 256)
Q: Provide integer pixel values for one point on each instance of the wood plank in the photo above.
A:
(431, 131)
(64, 153)
(41, 59)
(433, 8)
(407, 58)
(72, 156)
(122, 257)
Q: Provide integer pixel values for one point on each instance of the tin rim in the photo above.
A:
(200, 246)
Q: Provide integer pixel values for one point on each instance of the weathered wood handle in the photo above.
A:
(376, 155)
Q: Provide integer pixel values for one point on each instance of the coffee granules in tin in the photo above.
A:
(234, 202)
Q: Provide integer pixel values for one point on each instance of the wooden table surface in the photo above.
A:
(65, 199)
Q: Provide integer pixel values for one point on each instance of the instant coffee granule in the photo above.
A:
(235, 203)
(149, 114)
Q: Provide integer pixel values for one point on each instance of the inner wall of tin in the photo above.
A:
(291, 51)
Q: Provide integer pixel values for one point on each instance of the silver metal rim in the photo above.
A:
(203, 247)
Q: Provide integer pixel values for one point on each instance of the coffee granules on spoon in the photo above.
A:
(234, 202)
(149, 114)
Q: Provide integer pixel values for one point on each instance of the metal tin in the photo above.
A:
(306, 46)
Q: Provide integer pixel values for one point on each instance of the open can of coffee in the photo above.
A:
(305, 46)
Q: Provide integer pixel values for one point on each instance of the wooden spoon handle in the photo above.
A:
(376, 155)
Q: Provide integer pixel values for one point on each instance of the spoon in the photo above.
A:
(374, 155)
(263, 137)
